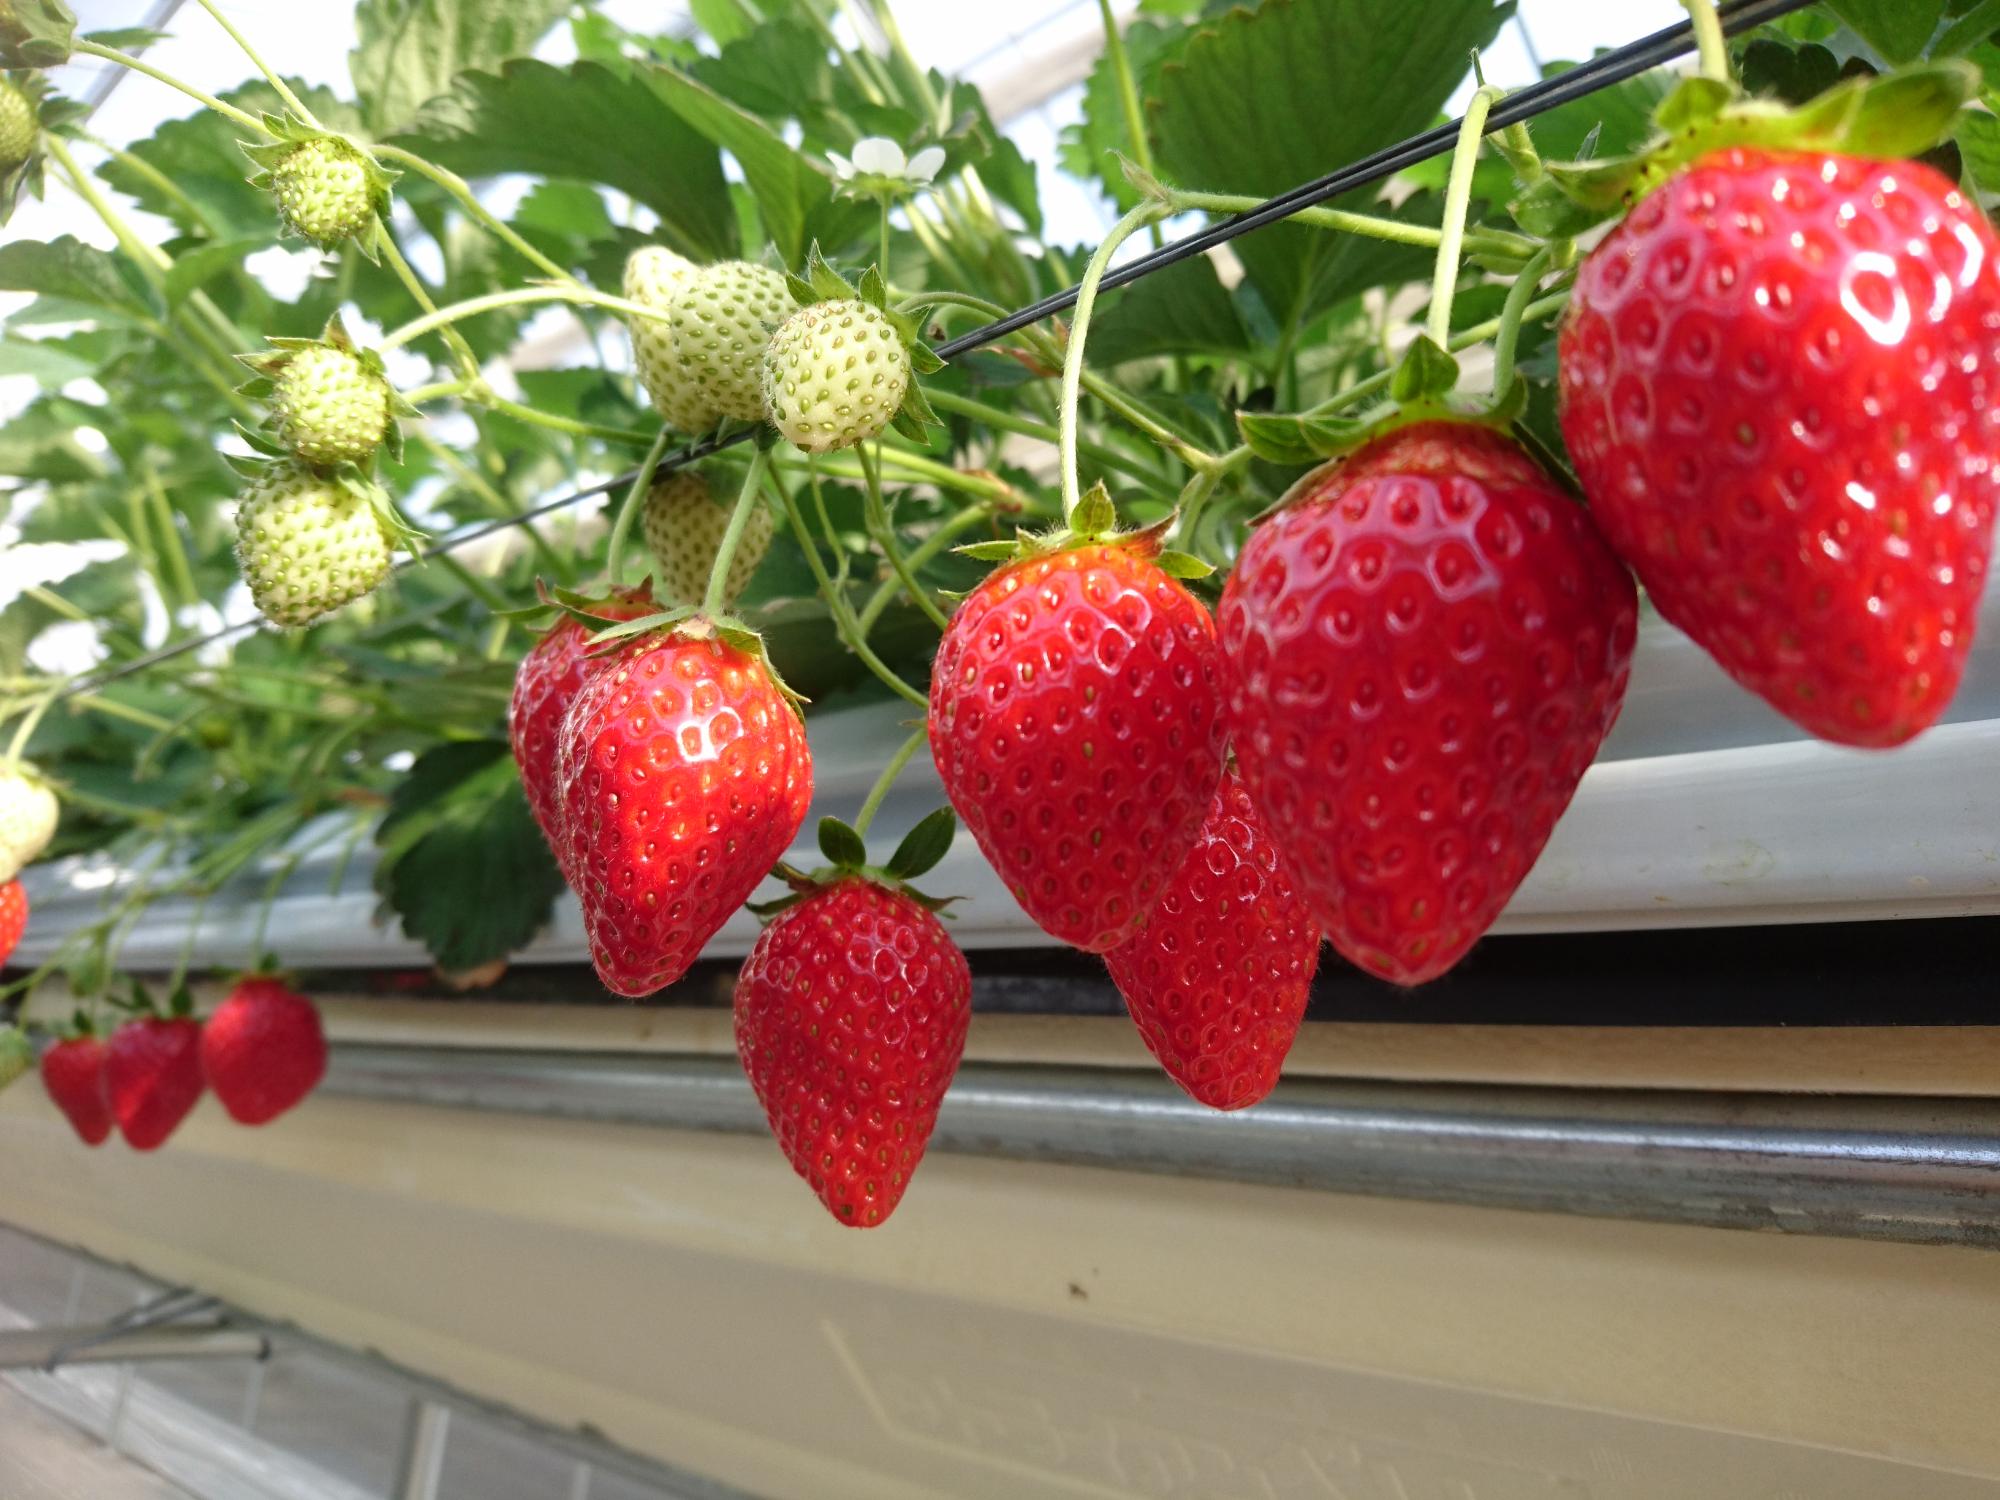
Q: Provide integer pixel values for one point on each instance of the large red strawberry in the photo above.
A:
(13, 918)
(73, 1075)
(152, 1076)
(851, 1016)
(1780, 384)
(1422, 654)
(1218, 977)
(1073, 719)
(544, 684)
(262, 1050)
(684, 775)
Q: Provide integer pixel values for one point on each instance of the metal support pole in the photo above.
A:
(423, 1450)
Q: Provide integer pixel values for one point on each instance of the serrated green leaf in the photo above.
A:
(841, 844)
(411, 50)
(462, 861)
(531, 116)
(1090, 147)
(1181, 310)
(72, 270)
(924, 845)
(46, 361)
(1229, 115)
(775, 69)
(1897, 29)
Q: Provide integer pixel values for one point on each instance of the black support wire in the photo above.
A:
(1600, 72)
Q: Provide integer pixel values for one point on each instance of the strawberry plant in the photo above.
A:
(1243, 601)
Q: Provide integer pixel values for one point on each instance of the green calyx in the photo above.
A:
(1094, 524)
(821, 283)
(685, 622)
(847, 855)
(328, 188)
(1420, 390)
(1885, 116)
(27, 109)
(35, 33)
(330, 403)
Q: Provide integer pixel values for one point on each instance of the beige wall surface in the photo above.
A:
(1026, 1331)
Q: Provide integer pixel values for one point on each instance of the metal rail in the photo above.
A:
(1923, 1171)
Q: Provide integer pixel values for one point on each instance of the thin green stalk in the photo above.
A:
(1395, 231)
(111, 708)
(386, 245)
(1072, 376)
(1007, 421)
(1709, 39)
(125, 60)
(882, 202)
(25, 730)
(879, 527)
(717, 594)
(916, 466)
(186, 594)
(947, 532)
(438, 391)
(1457, 200)
(836, 603)
(1508, 335)
(436, 317)
(634, 502)
(498, 503)
(460, 189)
(1128, 100)
(1361, 390)
(626, 435)
(487, 595)
(919, 737)
(161, 183)
(292, 100)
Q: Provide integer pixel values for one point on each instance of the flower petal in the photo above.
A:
(924, 165)
(878, 154)
(841, 165)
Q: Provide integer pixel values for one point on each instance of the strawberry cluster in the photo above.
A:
(262, 1051)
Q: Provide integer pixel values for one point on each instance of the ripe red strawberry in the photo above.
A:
(13, 918)
(684, 775)
(851, 1015)
(152, 1076)
(1074, 721)
(544, 684)
(1780, 383)
(1218, 977)
(263, 1050)
(1422, 655)
(73, 1074)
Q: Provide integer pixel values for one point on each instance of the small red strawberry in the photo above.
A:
(851, 1017)
(1780, 384)
(73, 1074)
(684, 775)
(152, 1076)
(1422, 654)
(13, 918)
(263, 1050)
(1218, 977)
(1074, 722)
(544, 684)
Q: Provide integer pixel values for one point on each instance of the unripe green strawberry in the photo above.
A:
(834, 374)
(325, 191)
(18, 125)
(684, 526)
(28, 813)
(330, 406)
(724, 315)
(654, 277)
(308, 545)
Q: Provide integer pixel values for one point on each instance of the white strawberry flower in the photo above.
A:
(878, 167)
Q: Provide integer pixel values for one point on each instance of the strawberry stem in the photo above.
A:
(1457, 200)
(1709, 39)
(877, 515)
(1079, 330)
(918, 737)
(1508, 335)
(292, 100)
(1498, 242)
(460, 189)
(126, 60)
(718, 576)
(634, 502)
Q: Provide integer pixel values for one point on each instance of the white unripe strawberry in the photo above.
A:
(834, 375)
(684, 524)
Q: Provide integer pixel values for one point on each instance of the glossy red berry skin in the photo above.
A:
(544, 685)
(1422, 655)
(152, 1076)
(1780, 385)
(13, 918)
(851, 1016)
(685, 775)
(1074, 721)
(263, 1050)
(73, 1075)
(1218, 977)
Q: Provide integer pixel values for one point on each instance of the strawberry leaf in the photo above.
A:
(841, 844)
(924, 845)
